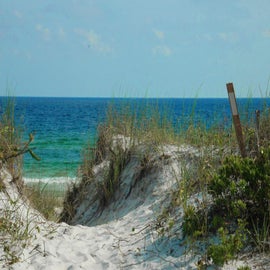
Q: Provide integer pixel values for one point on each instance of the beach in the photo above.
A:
(135, 202)
(134, 135)
(125, 235)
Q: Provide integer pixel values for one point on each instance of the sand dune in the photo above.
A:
(125, 235)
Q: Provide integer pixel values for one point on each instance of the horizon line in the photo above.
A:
(119, 97)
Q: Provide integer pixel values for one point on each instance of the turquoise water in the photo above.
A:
(63, 126)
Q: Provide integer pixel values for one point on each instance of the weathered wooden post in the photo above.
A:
(236, 119)
(257, 121)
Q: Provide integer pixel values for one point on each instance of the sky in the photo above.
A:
(134, 48)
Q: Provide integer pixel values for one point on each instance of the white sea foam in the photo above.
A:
(53, 180)
(65, 181)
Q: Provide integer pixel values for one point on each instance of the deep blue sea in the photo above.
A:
(63, 126)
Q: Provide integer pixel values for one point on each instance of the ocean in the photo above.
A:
(64, 126)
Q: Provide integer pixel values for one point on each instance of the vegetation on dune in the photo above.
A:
(238, 213)
(48, 201)
(16, 230)
(10, 140)
(12, 149)
(11, 146)
(126, 128)
(232, 193)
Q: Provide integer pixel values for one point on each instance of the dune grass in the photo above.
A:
(16, 229)
(12, 146)
(12, 149)
(45, 198)
(10, 141)
(136, 123)
(126, 127)
(152, 127)
(212, 174)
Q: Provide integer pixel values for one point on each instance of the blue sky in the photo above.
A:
(152, 48)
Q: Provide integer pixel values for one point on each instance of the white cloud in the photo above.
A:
(93, 41)
(23, 54)
(207, 37)
(266, 33)
(18, 14)
(223, 36)
(228, 37)
(61, 32)
(45, 32)
(48, 34)
(162, 50)
(159, 34)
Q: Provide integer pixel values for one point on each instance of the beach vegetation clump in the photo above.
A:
(223, 196)
(118, 158)
(12, 146)
(245, 267)
(10, 139)
(142, 121)
(16, 229)
(113, 157)
(228, 245)
(44, 199)
(239, 188)
(128, 131)
(92, 155)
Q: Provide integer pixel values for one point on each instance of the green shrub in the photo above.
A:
(244, 268)
(241, 189)
(193, 224)
(228, 244)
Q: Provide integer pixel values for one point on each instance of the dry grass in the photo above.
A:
(46, 200)
(138, 126)
(10, 141)
(148, 127)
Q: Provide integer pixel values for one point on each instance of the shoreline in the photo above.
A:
(50, 180)
(56, 185)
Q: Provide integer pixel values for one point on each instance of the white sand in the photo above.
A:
(124, 236)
